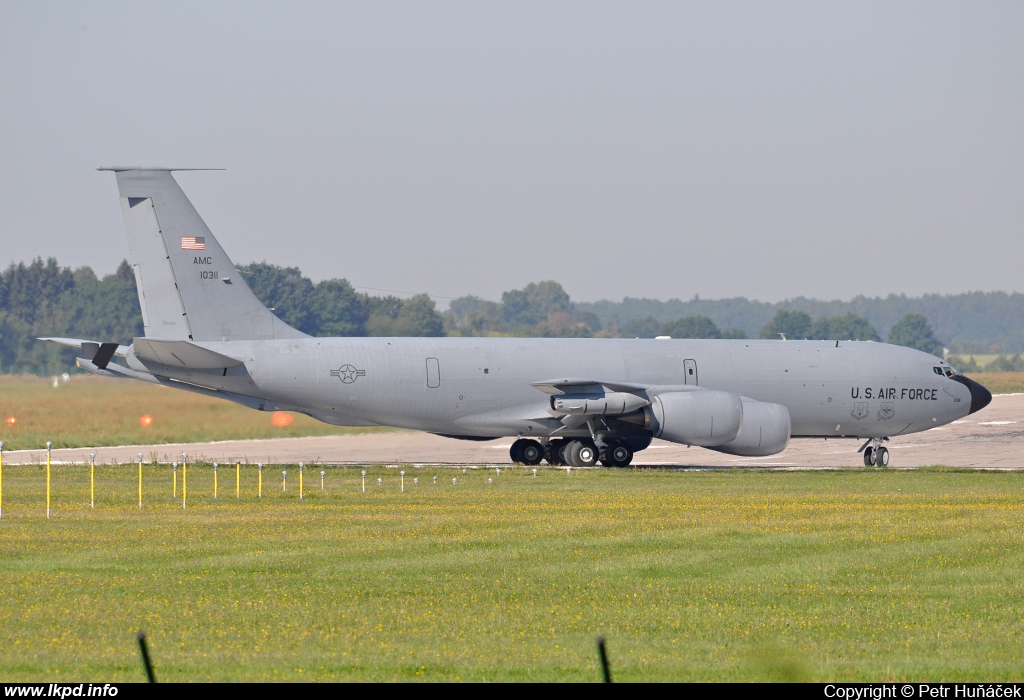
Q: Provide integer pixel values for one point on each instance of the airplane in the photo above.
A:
(572, 402)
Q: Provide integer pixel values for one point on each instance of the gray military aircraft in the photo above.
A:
(568, 401)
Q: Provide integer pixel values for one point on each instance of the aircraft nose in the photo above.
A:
(980, 396)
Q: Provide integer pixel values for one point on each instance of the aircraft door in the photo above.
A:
(690, 372)
(433, 373)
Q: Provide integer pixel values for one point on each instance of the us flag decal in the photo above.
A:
(193, 243)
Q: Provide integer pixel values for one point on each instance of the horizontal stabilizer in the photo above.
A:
(100, 354)
(585, 386)
(115, 371)
(181, 353)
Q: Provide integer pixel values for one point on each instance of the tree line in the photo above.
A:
(545, 309)
(42, 298)
(968, 323)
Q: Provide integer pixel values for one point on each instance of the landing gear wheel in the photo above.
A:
(516, 451)
(869, 456)
(617, 454)
(581, 454)
(531, 453)
(882, 457)
(553, 453)
(528, 452)
(565, 454)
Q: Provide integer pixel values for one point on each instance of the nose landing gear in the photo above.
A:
(875, 454)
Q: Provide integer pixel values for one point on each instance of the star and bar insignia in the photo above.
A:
(348, 373)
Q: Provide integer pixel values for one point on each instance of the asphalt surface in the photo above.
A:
(992, 438)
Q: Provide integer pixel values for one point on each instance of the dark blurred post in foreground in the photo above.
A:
(145, 656)
(602, 652)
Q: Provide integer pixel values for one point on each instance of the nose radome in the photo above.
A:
(980, 396)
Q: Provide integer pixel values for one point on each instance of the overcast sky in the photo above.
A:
(762, 149)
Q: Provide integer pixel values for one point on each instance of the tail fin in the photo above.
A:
(188, 287)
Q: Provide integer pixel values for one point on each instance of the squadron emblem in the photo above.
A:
(860, 410)
(348, 374)
(888, 410)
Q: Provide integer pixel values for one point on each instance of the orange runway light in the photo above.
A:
(281, 419)
(146, 421)
(11, 420)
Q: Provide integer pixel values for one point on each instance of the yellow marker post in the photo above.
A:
(238, 479)
(1, 479)
(300, 481)
(48, 479)
(174, 491)
(215, 480)
(140, 480)
(260, 488)
(92, 480)
(184, 481)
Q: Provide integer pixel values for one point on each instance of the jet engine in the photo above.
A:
(702, 418)
(764, 431)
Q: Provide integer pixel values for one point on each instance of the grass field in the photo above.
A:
(94, 411)
(852, 575)
(981, 360)
(1001, 382)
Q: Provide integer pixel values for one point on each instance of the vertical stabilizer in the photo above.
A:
(188, 287)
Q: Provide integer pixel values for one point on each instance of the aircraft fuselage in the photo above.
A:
(482, 386)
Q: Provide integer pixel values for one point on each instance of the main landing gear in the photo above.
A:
(875, 454)
(573, 453)
(616, 454)
(528, 452)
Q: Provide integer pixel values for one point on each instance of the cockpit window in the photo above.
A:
(947, 371)
(937, 370)
(950, 372)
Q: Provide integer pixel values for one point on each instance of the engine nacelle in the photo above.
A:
(765, 430)
(702, 418)
(613, 403)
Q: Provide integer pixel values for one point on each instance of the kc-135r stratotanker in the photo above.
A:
(568, 401)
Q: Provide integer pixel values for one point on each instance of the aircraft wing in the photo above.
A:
(585, 386)
(554, 387)
(181, 353)
(98, 353)
(572, 416)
